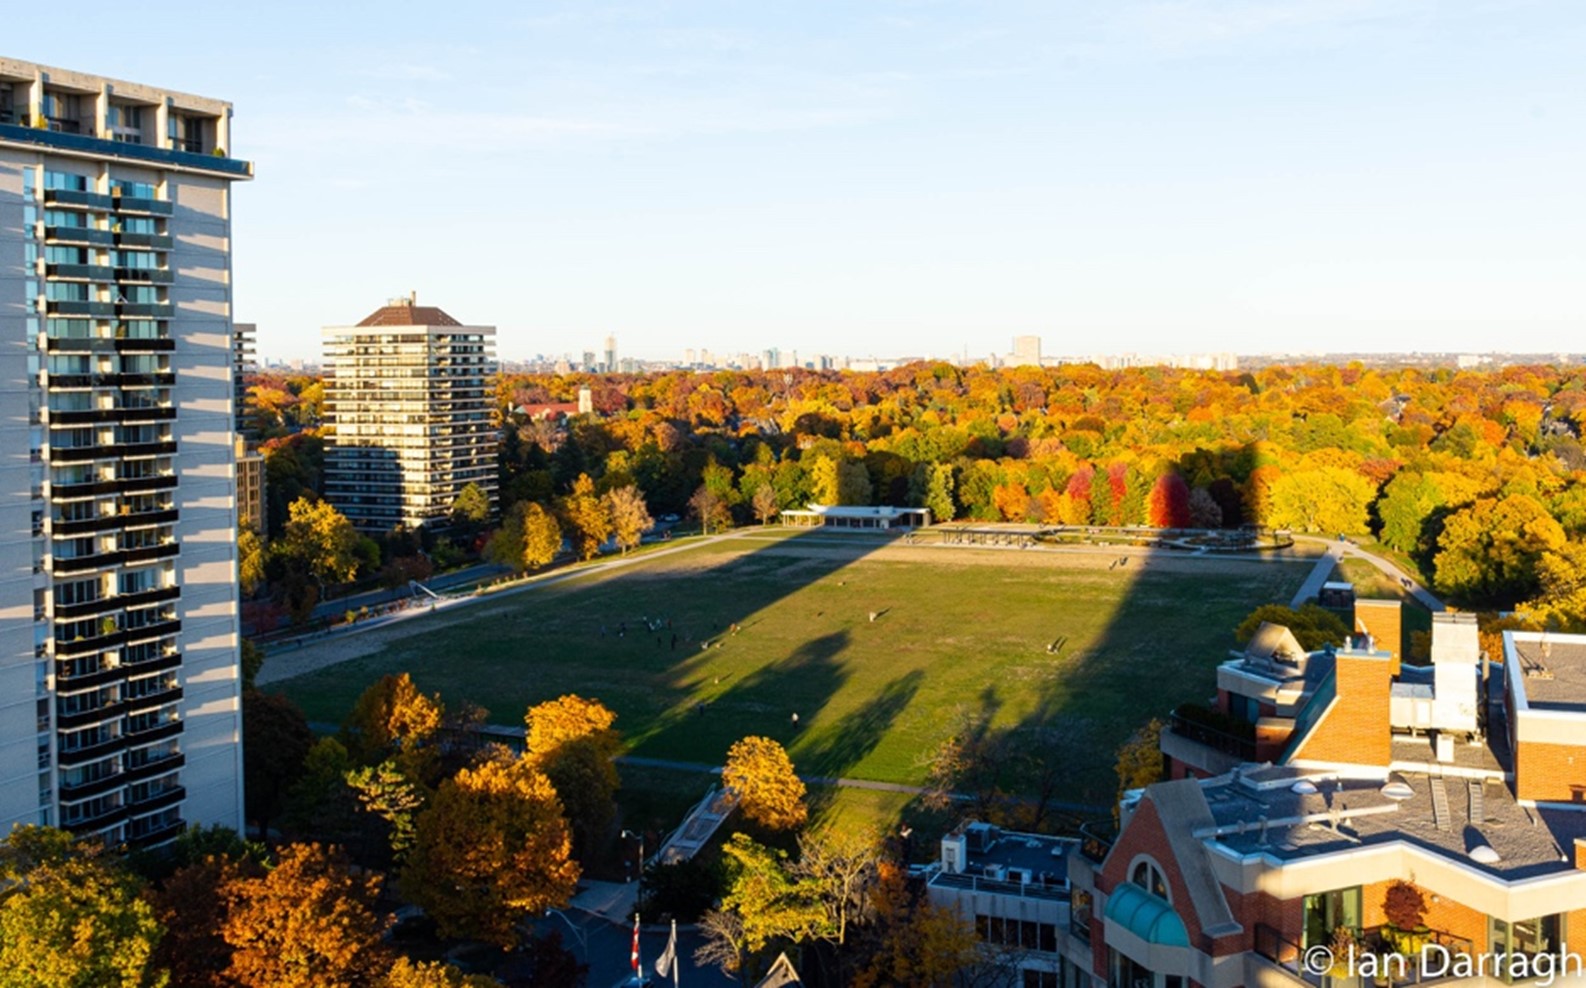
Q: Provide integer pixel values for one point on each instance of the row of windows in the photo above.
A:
(1023, 933)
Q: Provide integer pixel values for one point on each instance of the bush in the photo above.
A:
(684, 890)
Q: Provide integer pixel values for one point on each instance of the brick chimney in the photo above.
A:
(1382, 620)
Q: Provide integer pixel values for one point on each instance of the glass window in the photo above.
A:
(65, 180)
(1327, 911)
(1149, 877)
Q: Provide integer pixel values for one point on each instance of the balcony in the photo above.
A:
(150, 834)
(144, 276)
(141, 153)
(156, 241)
(78, 307)
(88, 790)
(143, 344)
(78, 235)
(75, 198)
(146, 310)
(157, 732)
(1056, 892)
(1215, 730)
(141, 205)
(84, 718)
(120, 413)
(80, 272)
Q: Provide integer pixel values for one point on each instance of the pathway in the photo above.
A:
(1320, 574)
(1337, 550)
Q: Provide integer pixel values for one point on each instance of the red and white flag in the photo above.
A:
(635, 959)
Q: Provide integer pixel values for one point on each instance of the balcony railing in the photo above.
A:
(142, 204)
(76, 197)
(1214, 730)
(79, 235)
(132, 152)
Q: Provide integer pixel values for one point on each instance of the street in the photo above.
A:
(606, 947)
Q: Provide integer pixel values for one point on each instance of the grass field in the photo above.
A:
(1371, 582)
(957, 634)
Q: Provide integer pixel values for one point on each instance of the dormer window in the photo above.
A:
(1149, 877)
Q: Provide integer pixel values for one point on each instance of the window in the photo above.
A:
(1149, 877)
(77, 592)
(65, 217)
(135, 190)
(1079, 914)
(1526, 938)
(65, 181)
(1327, 911)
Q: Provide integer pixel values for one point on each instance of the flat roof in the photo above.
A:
(1550, 669)
(854, 511)
(1530, 841)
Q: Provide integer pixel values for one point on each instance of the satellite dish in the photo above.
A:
(1484, 854)
(1304, 787)
(1397, 791)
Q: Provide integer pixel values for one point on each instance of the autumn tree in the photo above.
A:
(762, 889)
(306, 923)
(1204, 511)
(71, 916)
(1411, 502)
(573, 742)
(432, 974)
(588, 517)
(492, 850)
(391, 716)
(709, 508)
(529, 538)
(1169, 504)
(825, 481)
(191, 905)
(471, 506)
(1490, 550)
(838, 868)
(912, 940)
(321, 539)
(1139, 759)
(938, 495)
(250, 561)
(769, 792)
(275, 740)
(630, 516)
(764, 503)
(1326, 499)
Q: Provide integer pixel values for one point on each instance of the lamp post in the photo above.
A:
(583, 939)
(630, 835)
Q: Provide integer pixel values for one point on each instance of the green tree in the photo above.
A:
(587, 516)
(1490, 551)
(709, 509)
(71, 917)
(385, 791)
(761, 888)
(1411, 499)
(1313, 627)
(853, 483)
(939, 491)
(492, 850)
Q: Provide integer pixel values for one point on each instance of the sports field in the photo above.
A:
(879, 648)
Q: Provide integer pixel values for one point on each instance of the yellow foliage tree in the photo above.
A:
(323, 539)
(588, 516)
(433, 974)
(392, 716)
(630, 516)
(492, 850)
(573, 742)
(307, 923)
(769, 792)
(542, 536)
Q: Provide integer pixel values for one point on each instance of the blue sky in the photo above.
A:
(900, 177)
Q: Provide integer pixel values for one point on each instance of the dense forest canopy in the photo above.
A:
(1472, 475)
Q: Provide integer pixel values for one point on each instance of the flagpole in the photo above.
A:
(675, 965)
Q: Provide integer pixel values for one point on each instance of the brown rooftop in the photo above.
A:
(406, 312)
(1553, 670)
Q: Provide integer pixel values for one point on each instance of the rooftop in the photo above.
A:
(407, 312)
(853, 511)
(1333, 814)
(1012, 863)
(1552, 669)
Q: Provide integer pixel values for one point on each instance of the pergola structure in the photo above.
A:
(851, 516)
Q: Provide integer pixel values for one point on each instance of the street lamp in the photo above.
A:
(630, 835)
(583, 940)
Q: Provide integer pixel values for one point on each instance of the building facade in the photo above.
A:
(119, 673)
(1401, 825)
(408, 402)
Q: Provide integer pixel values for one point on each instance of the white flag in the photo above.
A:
(664, 963)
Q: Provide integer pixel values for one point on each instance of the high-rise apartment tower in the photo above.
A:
(119, 673)
(407, 395)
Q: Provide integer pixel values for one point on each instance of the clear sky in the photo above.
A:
(893, 178)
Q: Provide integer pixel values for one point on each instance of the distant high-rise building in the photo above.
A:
(244, 362)
(611, 354)
(1026, 351)
(120, 680)
(589, 361)
(689, 356)
(408, 399)
(771, 359)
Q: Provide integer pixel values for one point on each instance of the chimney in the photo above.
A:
(1382, 621)
(413, 297)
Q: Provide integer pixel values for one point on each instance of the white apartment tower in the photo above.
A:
(407, 397)
(119, 676)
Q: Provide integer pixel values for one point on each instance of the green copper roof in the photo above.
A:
(1146, 916)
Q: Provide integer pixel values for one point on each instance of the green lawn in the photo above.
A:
(958, 634)
(1371, 582)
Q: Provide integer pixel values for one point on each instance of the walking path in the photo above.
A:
(1339, 550)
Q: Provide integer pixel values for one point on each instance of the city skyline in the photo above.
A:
(901, 178)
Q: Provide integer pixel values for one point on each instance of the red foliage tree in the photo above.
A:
(1169, 504)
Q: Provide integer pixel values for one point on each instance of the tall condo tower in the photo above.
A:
(408, 396)
(119, 675)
